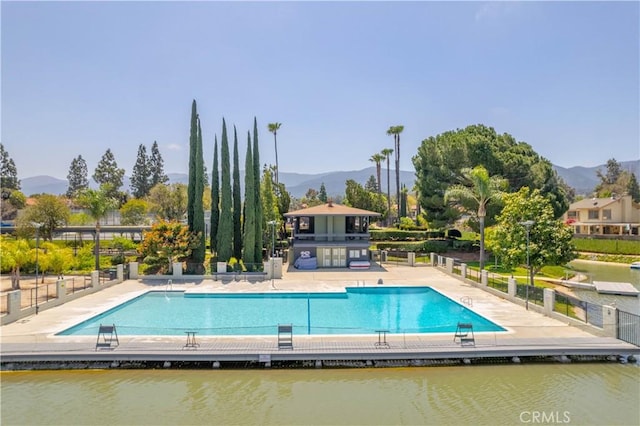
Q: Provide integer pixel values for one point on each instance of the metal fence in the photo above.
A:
(628, 327)
(498, 282)
(531, 293)
(590, 313)
(46, 292)
(474, 275)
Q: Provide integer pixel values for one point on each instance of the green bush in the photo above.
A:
(428, 246)
(402, 235)
(592, 245)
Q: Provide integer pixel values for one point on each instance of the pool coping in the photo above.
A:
(530, 336)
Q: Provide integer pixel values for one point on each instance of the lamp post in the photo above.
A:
(527, 224)
(37, 225)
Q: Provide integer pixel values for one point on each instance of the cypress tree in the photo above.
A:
(237, 202)
(225, 227)
(215, 201)
(269, 208)
(198, 209)
(249, 208)
(193, 142)
(403, 201)
(258, 198)
(140, 176)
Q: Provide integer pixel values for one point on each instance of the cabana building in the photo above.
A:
(330, 236)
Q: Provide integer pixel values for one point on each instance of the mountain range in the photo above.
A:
(582, 179)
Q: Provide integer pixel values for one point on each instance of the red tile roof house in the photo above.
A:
(330, 236)
(604, 216)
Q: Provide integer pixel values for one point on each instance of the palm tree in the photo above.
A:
(395, 131)
(387, 153)
(273, 128)
(483, 188)
(377, 158)
(97, 203)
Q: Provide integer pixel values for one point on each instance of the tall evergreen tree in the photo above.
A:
(225, 228)
(109, 175)
(269, 208)
(249, 236)
(193, 142)
(215, 201)
(140, 176)
(8, 171)
(633, 188)
(237, 202)
(403, 201)
(77, 177)
(258, 197)
(322, 195)
(198, 252)
(156, 167)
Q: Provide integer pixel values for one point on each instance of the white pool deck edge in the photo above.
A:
(529, 334)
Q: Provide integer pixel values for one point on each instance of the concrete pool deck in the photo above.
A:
(529, 334)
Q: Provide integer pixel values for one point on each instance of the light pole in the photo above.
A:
(527, 224)
(37, 225)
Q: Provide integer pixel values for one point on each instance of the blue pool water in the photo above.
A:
(359, 310)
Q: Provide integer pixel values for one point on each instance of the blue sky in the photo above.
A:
(81, 77)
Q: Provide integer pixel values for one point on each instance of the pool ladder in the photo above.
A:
(467, 300)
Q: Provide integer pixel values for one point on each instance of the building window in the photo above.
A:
(305, 225)
(593, 214)
(354, 254)
(572, 214)
(606, 214)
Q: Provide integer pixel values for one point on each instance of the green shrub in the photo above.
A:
(404, 235)
(428, 246)
(592, 245)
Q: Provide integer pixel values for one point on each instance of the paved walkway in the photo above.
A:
(528, 333)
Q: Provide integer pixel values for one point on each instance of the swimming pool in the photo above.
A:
(358, 310)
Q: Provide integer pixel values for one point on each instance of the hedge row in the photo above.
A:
(607, 246)
(403, 235)
(435, 246)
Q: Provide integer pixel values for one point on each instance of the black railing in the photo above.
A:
(474, 275)
(498, 282)
(590, 313)
(530, 293)
(628, 328)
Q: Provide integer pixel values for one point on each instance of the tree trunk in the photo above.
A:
(15, 279)
(275, 141)
(481, 242)
(97, 246)
(388, 194)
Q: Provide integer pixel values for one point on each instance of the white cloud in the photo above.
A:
(174, 147)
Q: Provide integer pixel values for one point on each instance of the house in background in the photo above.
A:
(604, 216)
(330, 236)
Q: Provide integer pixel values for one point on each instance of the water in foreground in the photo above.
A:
(581, 394)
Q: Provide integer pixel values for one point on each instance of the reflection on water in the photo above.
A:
(600, 271)
(507, 394)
